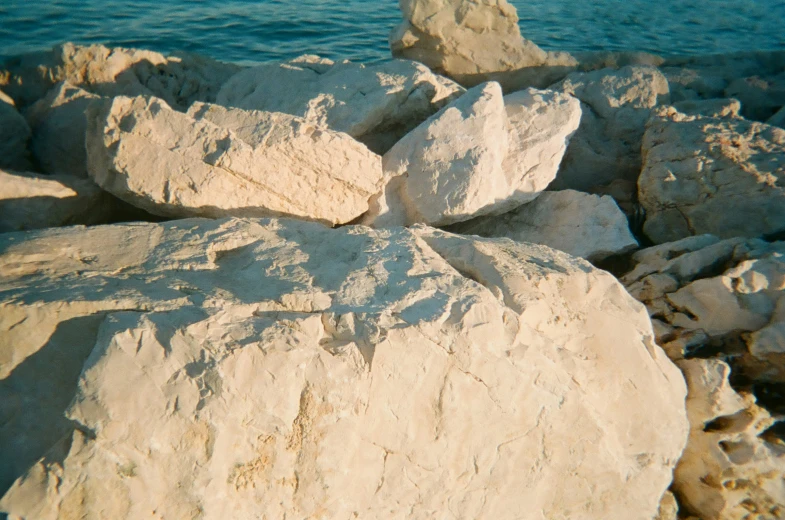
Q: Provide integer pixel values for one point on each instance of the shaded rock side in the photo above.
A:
(248, 164)
(271, 368)
(14, 136)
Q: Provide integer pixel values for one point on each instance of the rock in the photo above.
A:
(459, 38)
(32, 201)
(59, 125)
(14, 135)
(178, 79)
(580, 224)
(760, 97)
(709, 175)
(555, 67)
(778, 119)
(377, 104)
(482, 154)
(276, 368)
(216, 161)
(615, 107)
(718, 108)
(669, 508)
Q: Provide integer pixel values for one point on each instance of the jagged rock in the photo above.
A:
(720, 108)
(760, 97)
(377, 104)
(59, 125)
(580, 224)
(14, 135)
(178, 79)
(709, 175)
(615, 107)
(216, 162)
(482, 154)
(265, 368)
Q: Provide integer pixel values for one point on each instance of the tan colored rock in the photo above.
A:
(377, 104)
(276, 368)
(669, 508)
(14, 136)
(482, 154)
(709, 175)
(583, 225)
(217, 162)
(718, 108)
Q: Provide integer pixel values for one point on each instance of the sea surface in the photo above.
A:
(246, 31)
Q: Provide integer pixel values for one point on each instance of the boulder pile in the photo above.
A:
(479, 281)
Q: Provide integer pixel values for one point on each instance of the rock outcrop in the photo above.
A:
(14, 136)
(376, 104)
(711, 175)
(583, 225)
(216, 162)
(269, 368)
(485, 153)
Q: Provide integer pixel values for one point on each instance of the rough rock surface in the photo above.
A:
(271, 368)
(216, 162)
(179, 79)
(615, 107)
(580, 224)
(14, 136)
(720, 108)
(59, 125)
(377, 104)
(708, 175)
(482, 154)
(778, 119)
(760, 97)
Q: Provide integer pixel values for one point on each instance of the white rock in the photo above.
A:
(708, 175)
(616, 105)
(279, 369)
(14, 136)
(377, 104)
(243, 163)
(580, 224)
(482, 154)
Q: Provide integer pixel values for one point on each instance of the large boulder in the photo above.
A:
(14, 136)
(483, 154)
(377, 104)
(724, 176)
(277, 368)
(588, 226)
(615, 107)
(216, 161)
(760, 97)
(179, 79)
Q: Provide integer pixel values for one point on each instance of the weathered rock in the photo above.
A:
(616, 105)
(760, 97)
(482, 154)
(377, 104)
(59, 125)
(580, 224)
(709, 175)
(216, 162)
(264, 368)
(778, 119)
(32, 201)
(14, 136)
(669, 508)
(178, 79)
(720, 108)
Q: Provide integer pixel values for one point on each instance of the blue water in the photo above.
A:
(246, 31)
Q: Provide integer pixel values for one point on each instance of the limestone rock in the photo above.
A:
(178, 79)
(216, 161)
(276, 368)
(14, 136)
(482, 154)
(719, 108)
(59, 125)
(709, 175)
(377, 104)
(669, 508)
(760, 97)
(580, 224)
(616, 105)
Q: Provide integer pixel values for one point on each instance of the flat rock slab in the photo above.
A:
(277, 368)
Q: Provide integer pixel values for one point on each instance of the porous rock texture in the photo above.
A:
(485, 153)
(723, 176)
(276, 368)
(377, 104)
(178, 79)
(215, 162)
(14, 136)
(588, 226)
(615, 106)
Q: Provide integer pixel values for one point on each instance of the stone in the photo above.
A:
(778, 119)
(33, 201)
(615, 107)
(669, 508)
(14, 136)
(179, 79)
(485, 153)
(761, 97)
(217, 162)
(718, 108)
(711, 175)
(59, 126)
(583, 225)
(277, 368)
(376, 104)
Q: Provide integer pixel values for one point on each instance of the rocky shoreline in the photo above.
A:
(480, 280)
